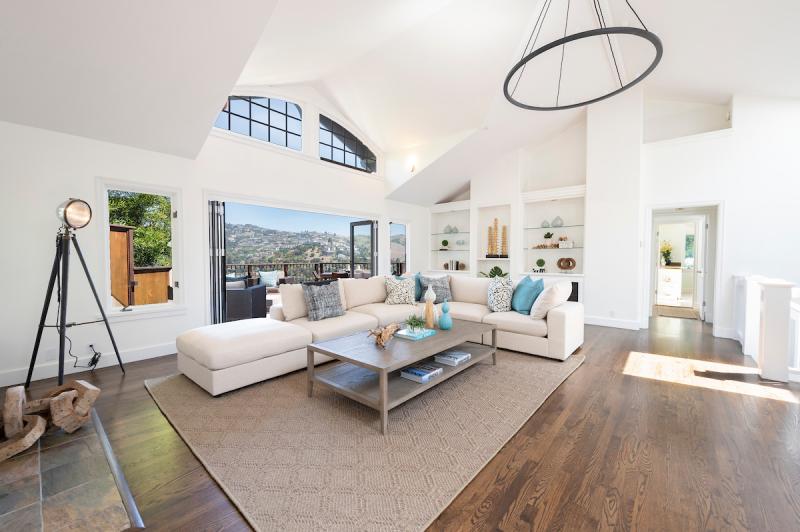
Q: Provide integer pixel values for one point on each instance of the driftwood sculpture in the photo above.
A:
(384, 334)
(68, 407)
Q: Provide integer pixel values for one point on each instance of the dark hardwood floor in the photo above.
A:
(606, 451)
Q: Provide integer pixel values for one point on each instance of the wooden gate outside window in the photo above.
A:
(130, 285)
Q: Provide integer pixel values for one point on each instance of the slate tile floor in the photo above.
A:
(61, 483)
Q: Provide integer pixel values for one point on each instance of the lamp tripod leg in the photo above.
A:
(97, 300)
(62, 318)
(48, 296)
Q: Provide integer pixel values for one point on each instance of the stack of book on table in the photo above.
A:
(421, 373)
(452, 357)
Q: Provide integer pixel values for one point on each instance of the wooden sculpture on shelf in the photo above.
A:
(67, 407)
(504, 243)
(384, 334)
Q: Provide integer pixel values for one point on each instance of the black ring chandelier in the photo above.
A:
(602, 29)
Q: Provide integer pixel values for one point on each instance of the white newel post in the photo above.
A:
(774, 342)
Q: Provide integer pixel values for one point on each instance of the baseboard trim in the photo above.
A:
(725, 332)
(616, 323)
(794, 375)
(49, 369)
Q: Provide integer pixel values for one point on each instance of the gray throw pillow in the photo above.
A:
(500, 291)
(323, 301)
(441, 286)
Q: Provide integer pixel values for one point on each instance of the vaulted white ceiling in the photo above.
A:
(406, 72)
(151, 74)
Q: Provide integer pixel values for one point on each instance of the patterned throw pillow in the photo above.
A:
(441, 286)
(323, 301)
(399, 290)
(500, 290)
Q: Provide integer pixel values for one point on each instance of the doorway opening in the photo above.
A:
(683, 251)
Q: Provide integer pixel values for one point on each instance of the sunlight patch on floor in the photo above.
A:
(690, 373)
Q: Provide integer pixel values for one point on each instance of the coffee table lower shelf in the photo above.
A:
(363, 385)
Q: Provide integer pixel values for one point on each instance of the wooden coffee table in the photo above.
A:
(371, 375)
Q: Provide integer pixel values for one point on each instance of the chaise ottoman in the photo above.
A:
(226, 356)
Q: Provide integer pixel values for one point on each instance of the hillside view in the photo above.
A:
(253, 244)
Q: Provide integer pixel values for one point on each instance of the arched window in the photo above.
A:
(339, 146)
(268, 119)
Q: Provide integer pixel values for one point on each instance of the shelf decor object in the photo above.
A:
(545, 224)
(566, 263)
(546, 100)
(557, 222)
(504, 243)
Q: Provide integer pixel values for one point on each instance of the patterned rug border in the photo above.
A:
(578, 356)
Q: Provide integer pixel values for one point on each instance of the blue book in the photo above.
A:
(421, 373)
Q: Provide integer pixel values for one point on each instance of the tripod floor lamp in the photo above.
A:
(74, 214)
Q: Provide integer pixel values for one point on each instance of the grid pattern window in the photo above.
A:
(268, 119)
(339, 146)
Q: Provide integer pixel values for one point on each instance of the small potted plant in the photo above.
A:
(666, 252)
(547, 238)
(540, 265)
(496, 271)
(415, 323)
(445, 243)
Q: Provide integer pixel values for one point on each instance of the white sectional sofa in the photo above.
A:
(227, 356)
(557, 336)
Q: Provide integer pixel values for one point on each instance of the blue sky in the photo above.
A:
(286, 219)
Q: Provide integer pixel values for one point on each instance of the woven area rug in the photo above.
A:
(290, 462)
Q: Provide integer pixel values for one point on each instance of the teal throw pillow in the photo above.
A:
(525, 294)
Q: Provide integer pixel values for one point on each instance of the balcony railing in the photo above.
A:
(305, 271)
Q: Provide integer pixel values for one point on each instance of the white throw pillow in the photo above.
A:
(293, 301)
(552, 296)
(270, 278)
(400, 291)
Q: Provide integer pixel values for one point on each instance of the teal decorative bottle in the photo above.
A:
(445, 321)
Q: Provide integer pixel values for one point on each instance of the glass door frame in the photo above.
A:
(373, 225)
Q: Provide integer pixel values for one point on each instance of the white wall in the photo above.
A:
(669, 119)
(559, 162)
(613, 252)
(753, 170)
(41, 168)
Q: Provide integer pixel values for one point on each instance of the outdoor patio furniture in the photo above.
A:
(246, 303)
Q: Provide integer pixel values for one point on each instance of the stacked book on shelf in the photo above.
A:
(421, 373)
(452, 357)
(416, 334)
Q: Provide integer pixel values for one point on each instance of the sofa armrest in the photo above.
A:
(564, 329)
(276, 313)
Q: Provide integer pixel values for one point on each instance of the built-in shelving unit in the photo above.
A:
(560, 212)
(486, 217)
(450, 222)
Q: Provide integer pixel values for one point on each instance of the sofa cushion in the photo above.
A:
(399, 291)
(463, 311)
(525, 293)
(293, 301)
(513, 321)
(344, 325)
(469, 289)
(359, 292)
(440, 285)
(552, 297)
(500, 290)
(323, 301)
(386, 313)
(225, 345)
(270, 278)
